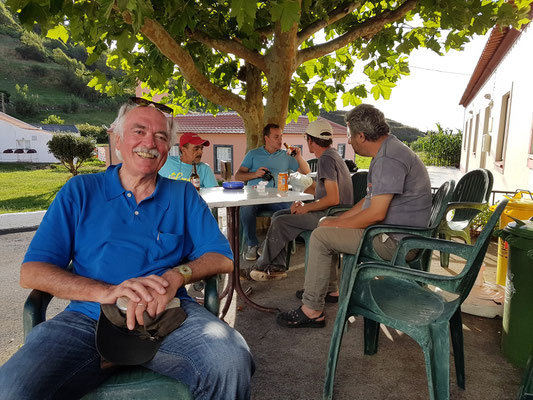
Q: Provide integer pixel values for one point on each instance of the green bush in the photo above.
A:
(53, 119)
(30, 53)
(62, 59)
(38, 70)
(441, 147)
(7, 95)
(98, 133)
(25, 104)
(71, 150)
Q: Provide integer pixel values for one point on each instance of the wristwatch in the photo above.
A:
(185, 271)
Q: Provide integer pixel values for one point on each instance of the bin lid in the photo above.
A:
(521, 228)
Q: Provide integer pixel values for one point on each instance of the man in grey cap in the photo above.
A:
(398, 193)
(333, 186)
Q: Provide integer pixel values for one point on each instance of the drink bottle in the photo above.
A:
(195, 178)
(290, 150)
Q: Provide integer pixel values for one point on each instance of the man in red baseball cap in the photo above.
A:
(191, 150)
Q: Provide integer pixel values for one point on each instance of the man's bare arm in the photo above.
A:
(303, 167)
(67, 285)
(376, 212)
(244, 175)
(331, 198)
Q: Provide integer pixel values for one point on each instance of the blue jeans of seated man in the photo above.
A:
(59, 359)
(247, 217)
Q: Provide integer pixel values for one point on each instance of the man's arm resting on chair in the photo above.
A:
(356, 217)
(331, 198)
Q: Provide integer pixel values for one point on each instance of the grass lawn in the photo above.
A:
(32, 187)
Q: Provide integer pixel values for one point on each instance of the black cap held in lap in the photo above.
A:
(120, 346)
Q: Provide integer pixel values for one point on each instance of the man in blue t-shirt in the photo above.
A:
(133, 235)
(256, 163)
(180, 168)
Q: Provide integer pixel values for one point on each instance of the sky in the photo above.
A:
(431, 93)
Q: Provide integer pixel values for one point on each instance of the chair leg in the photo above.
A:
(456, 330)
(333, 356)
(444, 257)
(371, 328)
(437, 356)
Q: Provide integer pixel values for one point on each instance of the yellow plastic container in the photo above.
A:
(520, 206)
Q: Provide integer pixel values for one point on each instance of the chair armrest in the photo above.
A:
(367, 247)
(337, 209)
(371, 270)
(409, 243)
(211, 301)
(35, 310)
(463, 205)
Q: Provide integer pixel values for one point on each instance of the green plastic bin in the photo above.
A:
(517, 335)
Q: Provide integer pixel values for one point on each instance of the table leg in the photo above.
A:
(232, 215)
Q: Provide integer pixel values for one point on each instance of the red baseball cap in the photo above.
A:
(192, 138)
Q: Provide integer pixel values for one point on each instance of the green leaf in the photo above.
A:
(59, 32)
(287, 12)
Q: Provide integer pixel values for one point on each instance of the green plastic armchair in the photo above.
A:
(359, 191)
(129, 383)
(313, 164)
(422, 259)
(395, 296)
(470, 196)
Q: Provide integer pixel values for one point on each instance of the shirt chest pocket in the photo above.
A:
(170, 247)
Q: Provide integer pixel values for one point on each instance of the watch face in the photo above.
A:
(185, 269)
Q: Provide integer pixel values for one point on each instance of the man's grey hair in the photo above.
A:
(117, 127)
(367, 119)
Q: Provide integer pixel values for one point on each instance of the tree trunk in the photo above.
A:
(253, 118)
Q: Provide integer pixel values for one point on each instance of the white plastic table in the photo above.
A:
(232, 199)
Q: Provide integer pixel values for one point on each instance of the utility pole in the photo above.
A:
(3, 103)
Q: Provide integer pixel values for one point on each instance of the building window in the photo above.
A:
(530, 155)
(476, 130)
(341, 149)
(222, 152)
(503, 130)
(465, 136)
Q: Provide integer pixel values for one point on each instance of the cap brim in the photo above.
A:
(197, 142)
(121, 346)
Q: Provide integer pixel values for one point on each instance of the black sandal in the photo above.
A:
(328, 299)
(297, 319)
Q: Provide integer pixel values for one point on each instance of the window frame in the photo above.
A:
(216, 167)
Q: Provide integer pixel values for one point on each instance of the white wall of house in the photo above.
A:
(498, 129)
(17, 137)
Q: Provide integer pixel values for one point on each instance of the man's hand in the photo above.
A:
(297, 207)
(260, 172)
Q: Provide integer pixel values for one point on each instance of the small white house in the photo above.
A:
(22, 142)
(498, 101)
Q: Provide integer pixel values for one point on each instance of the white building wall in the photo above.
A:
(512, 78)
(12, 137)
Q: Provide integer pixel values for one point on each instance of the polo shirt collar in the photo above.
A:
(270, 154)
(113, 188)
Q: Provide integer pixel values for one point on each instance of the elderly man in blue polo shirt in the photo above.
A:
(127, 233)
(256, 163)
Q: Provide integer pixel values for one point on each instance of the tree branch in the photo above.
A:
(367, 30)
(335, 15)
(177, 54)
(232, 47)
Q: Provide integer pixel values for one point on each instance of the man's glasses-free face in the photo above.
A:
(145, 103)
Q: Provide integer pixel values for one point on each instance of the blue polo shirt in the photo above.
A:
(174, 168)
(276, 162)
(97, 224)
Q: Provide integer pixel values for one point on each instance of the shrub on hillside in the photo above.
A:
(25, 104)
(62, 59)
(38, 70)
(98, 133)
(31, 39)
(53, 119)
(76, 83)
(71, 150)
(30, 53)
(71, 106)
(441, 147)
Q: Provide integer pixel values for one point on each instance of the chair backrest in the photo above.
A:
(359, 184)
(352, 166)
(313, 164)
(466, 279)
(439, 203)
(471, 188)
(491, 183)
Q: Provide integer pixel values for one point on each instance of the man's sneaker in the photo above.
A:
(251, 254)
(269, 274)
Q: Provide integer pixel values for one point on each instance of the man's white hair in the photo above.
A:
(117, 127)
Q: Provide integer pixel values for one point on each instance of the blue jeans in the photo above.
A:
(249, 213)
(59, 359)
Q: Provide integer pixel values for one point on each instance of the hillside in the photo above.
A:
(55, 75)
(403, 132)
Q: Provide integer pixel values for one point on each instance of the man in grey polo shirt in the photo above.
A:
(398, 192)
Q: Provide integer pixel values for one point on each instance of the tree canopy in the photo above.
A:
(265, 59)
